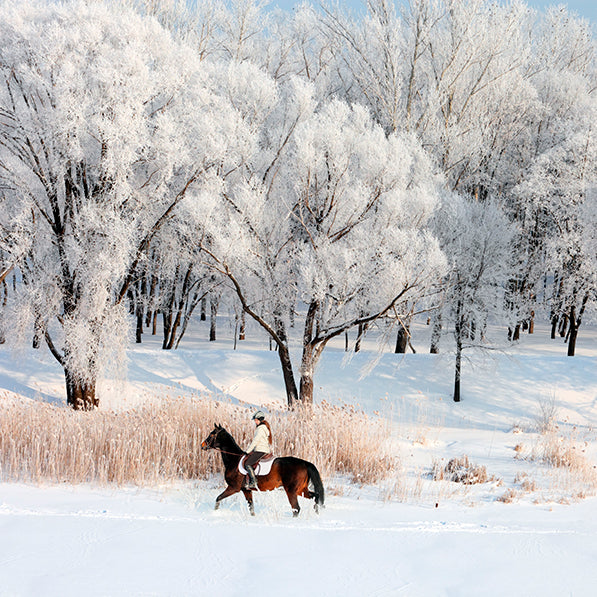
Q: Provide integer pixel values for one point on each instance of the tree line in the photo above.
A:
(326, 170)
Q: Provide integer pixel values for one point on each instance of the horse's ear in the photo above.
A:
(218, 427)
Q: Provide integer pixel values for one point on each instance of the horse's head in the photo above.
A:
(211, 441)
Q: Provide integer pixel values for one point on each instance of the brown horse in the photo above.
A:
(294, 474)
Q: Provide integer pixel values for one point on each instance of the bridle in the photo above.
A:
(217, 449)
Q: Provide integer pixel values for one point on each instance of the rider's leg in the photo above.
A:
(252, 459)
(252, 481)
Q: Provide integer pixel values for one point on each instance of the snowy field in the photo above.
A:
(409, 536)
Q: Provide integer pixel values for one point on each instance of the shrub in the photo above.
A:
(508, 496)
(547, 415)
(460, 470)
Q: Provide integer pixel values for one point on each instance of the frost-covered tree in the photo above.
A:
(487, 89)
(562, 72)
(455, 74)
(554, 158)
(332, 218)
(452, 72)
(476, 238)
(172, 282)
(560, 191)
(106, 127)
(197, 24)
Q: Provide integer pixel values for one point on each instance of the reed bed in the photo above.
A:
(161, 441)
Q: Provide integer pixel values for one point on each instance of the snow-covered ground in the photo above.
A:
(414, 537)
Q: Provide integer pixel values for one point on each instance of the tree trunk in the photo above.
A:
(212, 326)
(563, 325)
(514, 335)
(572, 333)
(289, 382)
(307, 369)
(4, 301)
(140, 309)
(37, 333)
(167, 314)
(139, 326)
(308, 356)
(151, 300)
(167, 324)
(575, 321)
(187, 318)
(362, 330)
(169, 343)
(80, 394)
(243, 326)
(401, 340)
(457, 370)
(554, 326)
(436, 334)
(213, 312)
(472, 330)
(458, 333)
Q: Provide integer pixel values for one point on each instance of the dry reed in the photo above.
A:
(569, 473)
(162, 441)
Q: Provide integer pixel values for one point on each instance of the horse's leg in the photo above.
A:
(310, 495)
(226, 493)
(293, 499)
(249, 497)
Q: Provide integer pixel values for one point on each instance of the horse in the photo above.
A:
(294, 474)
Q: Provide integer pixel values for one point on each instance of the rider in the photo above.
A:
(259, 447)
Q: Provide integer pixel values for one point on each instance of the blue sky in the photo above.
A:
(585, 8)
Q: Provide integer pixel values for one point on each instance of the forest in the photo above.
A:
(315, 170)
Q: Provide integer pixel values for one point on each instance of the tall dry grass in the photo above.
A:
(575, 473)
(162, 441)
(569, 472)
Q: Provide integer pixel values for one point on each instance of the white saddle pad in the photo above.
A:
(263, 467)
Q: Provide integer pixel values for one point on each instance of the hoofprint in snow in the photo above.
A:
(412, 536)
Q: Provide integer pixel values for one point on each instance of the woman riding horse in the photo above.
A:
(259, 447)
(297, 476)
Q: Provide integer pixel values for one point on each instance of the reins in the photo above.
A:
(241, 454)
(231, 453)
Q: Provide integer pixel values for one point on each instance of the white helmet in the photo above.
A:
(258, 415)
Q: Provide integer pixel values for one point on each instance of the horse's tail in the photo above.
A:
(315, 480)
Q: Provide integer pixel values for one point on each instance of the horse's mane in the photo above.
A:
(230, 440)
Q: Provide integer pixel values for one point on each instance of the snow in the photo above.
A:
(69, 541)
(440, 538)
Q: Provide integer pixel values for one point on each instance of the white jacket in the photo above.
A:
(260, 442)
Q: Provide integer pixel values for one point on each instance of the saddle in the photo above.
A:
(263, 467)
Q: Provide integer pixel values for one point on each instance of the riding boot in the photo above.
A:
(252, 483)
